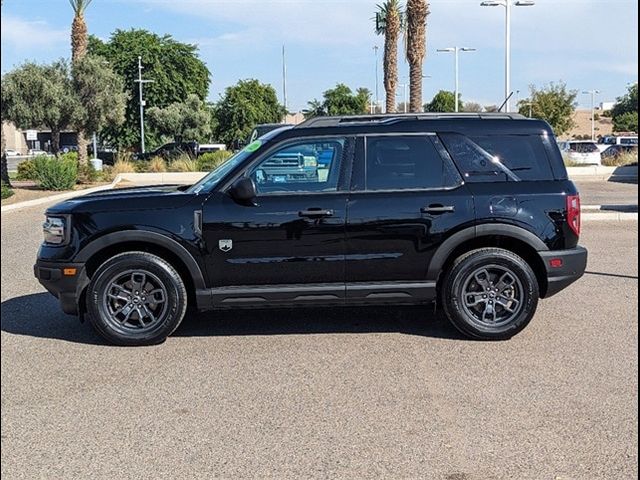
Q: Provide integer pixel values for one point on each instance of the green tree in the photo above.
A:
(4, 174)
(553, 103)
(245, 105)
(341, 101)
(101, 94)
(443, 101)
(179, 121)
(625, 111)
(389, 22)
(626, 122)
(174, 67)
(37, 96)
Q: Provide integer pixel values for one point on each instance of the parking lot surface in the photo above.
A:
(340, 393)
(608, 192)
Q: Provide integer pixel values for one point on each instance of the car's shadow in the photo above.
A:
(39, 315)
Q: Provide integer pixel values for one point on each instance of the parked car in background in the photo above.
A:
(584, 152)
(211, 147)
(33, 152)
(614, 151)
(169, 150)
(68, 148)
(9, 152)
(606, 141)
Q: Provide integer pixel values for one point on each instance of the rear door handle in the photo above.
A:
(315, 213)
(437, 209)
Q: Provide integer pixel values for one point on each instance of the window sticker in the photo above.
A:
(253, 146)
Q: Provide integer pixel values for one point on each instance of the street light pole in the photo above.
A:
(455, 51)
(507, 4)
(140, 82)
(593, 106)
(375, 49)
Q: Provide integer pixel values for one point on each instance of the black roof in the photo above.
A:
(467, 123)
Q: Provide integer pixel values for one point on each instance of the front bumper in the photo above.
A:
(573, 264)
(65, 287)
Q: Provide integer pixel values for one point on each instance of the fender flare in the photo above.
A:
(145, 236)
(454, 241)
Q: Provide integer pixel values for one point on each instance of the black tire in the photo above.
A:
(470, 295)
(136, 298)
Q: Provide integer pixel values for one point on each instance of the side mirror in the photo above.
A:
(244, 191)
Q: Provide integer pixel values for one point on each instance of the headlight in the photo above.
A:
(53, 229)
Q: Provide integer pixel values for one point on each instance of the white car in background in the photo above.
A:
(9, 152)
(584, 152)
(609, 140)
(33, 152)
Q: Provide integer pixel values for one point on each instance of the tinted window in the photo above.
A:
(312, 166)
(475, 164)
(400, 163)
(629, 141)
(524, 155)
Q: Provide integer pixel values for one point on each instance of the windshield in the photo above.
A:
(212, 179)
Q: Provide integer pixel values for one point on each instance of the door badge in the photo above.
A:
(225, 245)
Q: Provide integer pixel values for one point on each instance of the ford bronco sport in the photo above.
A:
(472, 211)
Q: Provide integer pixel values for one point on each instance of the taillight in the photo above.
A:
(573, 213)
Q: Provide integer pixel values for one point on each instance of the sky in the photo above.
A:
(589, 44)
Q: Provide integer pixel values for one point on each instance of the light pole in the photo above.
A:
(507, 4)
(455, 51)
(375, 49)
(140, 82)
(404, 86)
(593, 106)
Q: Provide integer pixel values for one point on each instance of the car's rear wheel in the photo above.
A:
(136, 298)
(490, 294)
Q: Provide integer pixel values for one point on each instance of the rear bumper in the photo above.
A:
(66, 288)
(573, 264)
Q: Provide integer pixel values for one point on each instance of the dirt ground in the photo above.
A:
(24, 191)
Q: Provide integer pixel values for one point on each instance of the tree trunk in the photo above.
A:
(391, 60)
(415, 87)
(417, 11)
(83, 143)
(79, 44)
(55, 140)
(5, 171)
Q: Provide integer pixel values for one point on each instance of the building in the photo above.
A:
(16, 139)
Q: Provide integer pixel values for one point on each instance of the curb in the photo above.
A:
(610, 216)
(58, 197)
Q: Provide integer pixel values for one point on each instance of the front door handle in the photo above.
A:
(315, 213)
(437, 209)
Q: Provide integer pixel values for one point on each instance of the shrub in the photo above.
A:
(184, 163)
(122, 166)
(26, 170)
(56, 173)
(6, 191)
(157, 165)
(87, 173)
(212, 160)
(623, 159)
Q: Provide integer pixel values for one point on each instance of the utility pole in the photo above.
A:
(593, 107)
(284, 79)
(507, 4)
(375, 49)
(142, 102)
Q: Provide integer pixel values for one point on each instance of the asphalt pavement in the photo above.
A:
(608, 192)
(343, 393)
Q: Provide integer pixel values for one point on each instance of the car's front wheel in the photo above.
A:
(136, 298)
(490, 294)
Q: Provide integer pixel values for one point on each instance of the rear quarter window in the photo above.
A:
(524, 155)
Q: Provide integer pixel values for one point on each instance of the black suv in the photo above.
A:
(472, 211)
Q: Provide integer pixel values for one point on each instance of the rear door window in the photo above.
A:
(583, 147)
(409, 162)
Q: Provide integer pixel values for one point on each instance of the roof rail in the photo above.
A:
(394, 117)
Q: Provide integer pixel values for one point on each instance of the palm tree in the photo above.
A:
(389, 23)
(416, 42)
(79, 44)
